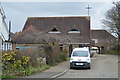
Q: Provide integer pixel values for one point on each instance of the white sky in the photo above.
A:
(17, 12)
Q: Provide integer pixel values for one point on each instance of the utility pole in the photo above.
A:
(88, 8)
(9, 30)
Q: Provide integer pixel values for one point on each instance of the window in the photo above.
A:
(54, 30)
(61, 47)
(95, 40)
(74, 31)
(80, 53)
(4, 46)
(7, 46)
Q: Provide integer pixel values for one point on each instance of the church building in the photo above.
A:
(68, 32)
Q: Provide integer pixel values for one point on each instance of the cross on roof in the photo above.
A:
(88, 7)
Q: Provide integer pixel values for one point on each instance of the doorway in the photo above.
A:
(70, 49)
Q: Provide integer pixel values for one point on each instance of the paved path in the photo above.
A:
(119, 67)
(52, 72)
(102, 66)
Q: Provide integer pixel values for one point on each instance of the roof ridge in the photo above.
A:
(60, 17)
(97, 29)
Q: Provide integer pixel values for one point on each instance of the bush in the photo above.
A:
(12, 64)
(26, 62)
(53, 53)
(112, 52)
(34, 54)
(10, 61)
(21, 63)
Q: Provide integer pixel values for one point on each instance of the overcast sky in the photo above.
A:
(17, 12)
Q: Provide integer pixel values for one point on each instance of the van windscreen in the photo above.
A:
(80, 53)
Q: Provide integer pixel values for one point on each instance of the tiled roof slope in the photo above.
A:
(63, 24)
(36, 30)
(101, 34)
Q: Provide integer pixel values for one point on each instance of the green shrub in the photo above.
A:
(32, 53)
(13, 65)
(53, 54)
(27, 62)
(9, 76)
(112, 52)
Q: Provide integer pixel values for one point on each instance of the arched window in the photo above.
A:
(74, 31)
(54, 30)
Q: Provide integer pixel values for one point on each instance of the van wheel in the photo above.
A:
(71, 67)
(89, 67)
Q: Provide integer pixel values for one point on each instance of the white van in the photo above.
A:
(80, 58)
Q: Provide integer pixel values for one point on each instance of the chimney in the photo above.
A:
(9, 30)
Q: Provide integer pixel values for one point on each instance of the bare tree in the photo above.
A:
(112, 20)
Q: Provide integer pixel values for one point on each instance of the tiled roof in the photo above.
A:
(101, 34)
(64, 24)
(36, 30)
